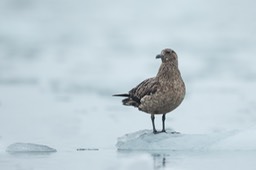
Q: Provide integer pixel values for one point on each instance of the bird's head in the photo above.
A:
(168, 55)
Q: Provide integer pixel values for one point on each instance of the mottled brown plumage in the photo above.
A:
(160, 94)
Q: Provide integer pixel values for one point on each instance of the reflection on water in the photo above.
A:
(165, 159)
(135, 160)
(159, 160)
(210, 160)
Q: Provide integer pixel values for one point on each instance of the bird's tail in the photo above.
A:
(129, 101)
(122, 95)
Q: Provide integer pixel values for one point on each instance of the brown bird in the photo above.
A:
(160, 94)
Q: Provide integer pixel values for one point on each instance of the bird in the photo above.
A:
(161, 94)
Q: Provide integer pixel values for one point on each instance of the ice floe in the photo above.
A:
(146, 140)
(28, 147)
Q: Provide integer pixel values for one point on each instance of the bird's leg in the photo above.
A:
(153, 123)
(163, 121)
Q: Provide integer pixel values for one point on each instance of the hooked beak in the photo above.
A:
(159, 56)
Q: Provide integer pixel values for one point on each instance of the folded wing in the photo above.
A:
(147, 87)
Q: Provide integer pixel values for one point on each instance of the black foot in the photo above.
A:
(155, 132)
(163, 131)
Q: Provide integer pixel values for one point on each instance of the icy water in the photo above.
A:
(61, 60)
(109, 159)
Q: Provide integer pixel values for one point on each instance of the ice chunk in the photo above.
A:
(243, 140)
(28, 147)
(146, 140)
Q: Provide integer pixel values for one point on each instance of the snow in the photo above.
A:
(28, 147)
